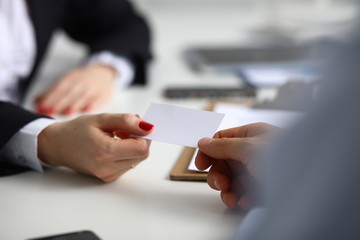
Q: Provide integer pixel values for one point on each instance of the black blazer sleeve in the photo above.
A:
(12, 119)
(111, 25)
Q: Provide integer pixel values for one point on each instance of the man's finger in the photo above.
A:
(230, 199)
(226, 148)
(202, 162)
(218, 180)
(245, 131)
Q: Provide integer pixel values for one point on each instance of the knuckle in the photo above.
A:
(142, 149)
(218, 134)
(127, 118)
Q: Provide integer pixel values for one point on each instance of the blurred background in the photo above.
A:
(200, 44)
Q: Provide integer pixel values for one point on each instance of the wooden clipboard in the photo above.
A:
(180, 171)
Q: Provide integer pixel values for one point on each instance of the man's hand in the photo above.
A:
(231, 157)
(88, 145)
(80, 90)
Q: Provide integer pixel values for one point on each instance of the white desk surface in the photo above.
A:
(144, 203)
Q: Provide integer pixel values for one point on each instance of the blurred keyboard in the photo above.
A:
(208, 92)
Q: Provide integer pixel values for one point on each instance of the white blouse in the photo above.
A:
(17, 47)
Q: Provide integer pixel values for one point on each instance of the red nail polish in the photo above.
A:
(86, 108)
(50, 111)
(68, 111)
(145, 126)
(137, 115)
(41, 109)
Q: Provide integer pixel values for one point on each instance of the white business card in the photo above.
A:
(179, 125)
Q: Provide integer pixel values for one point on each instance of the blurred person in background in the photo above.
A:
(116, 36)
(305, 185)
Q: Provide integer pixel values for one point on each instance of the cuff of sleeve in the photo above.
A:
(22, 147)
(123, 67)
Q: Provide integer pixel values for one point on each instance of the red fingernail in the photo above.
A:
(145, 126)
(41, 109)
(68, 111)
(50, 111)
(86, 108)
(137, 115)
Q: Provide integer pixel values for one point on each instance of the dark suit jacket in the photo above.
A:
(12, 119)
(110, 25)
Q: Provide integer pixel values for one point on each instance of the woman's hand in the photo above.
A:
(88, 145)
(80, 90)
(231, 157)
